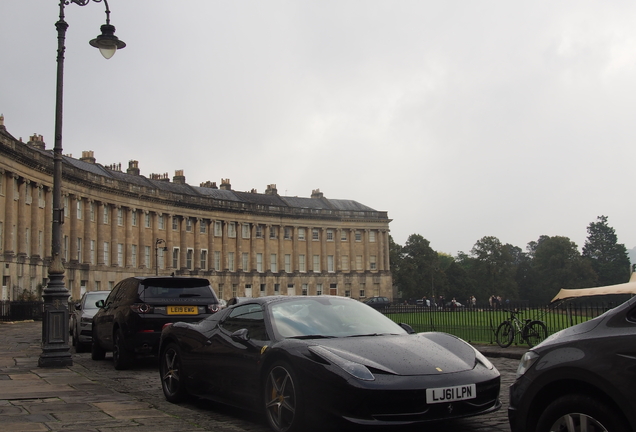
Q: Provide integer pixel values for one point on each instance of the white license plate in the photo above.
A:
(451, 394)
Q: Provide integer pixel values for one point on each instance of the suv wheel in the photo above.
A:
(579, 412)
(97, 352)
(122, 358)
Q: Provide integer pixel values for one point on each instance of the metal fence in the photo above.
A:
(21, 310)
(480, 324)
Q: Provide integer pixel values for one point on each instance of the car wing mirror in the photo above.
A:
(78, 306)
(242, 336)
(407, 328)
(100, 304)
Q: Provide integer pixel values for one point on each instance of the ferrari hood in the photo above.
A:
(406, 355)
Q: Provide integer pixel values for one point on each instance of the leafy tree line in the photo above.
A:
(495, 268)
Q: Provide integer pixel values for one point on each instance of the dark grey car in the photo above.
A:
(580, 379)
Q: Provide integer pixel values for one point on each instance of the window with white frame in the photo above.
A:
(344, 262)
(120, 216)
(162, 258)
(91, 210)
(276, 289)
(362, 294)
(234, 290)
(329, 235)
(272, 232)
(161, 220)
(301, 233)
(204, 259)
(203, 227)
(147, 256)
(358, 236)
(106, 215)
(120, 254)
(218, 228)
(372, 262)
(305, 289)
(287, 263)
(65, 206)
(175, 223)
(217, 260)
(66, 248)
(106, 253)
(302, 265)
(230, 261)
(288, 233)
(330, 266)
(272, 262)
(245, 230)
(189, 258)
(188, 224)
(245, 261)
(371, 236)
(358, 262)
(147, 220)
(220, 290)
(133, 218)
(231, 229)
(259, 231)
(79, 209)
(263, 289)
(79, 249)
(259, 262)
(316, 263)
(343, 235)
(175, 257)
(318, 289)
(42, 201)
(315, 234)
(133, 252)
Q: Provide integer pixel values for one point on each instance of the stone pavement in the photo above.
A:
(91, 396)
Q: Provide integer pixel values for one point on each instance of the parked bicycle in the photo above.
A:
(531, 331)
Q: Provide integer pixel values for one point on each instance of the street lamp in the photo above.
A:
(157, 243)
(55, 330)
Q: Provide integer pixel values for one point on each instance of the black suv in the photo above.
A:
(580, 379)
(130, 320)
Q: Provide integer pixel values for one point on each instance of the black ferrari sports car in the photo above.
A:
(302, 360)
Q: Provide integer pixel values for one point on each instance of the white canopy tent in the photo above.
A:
(624, 288)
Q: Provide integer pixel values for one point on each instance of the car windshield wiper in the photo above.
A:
(315, 336)
(373, 334)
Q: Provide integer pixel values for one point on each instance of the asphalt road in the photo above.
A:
(142, 382)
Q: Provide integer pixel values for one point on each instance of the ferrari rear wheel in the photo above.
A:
(283, 402)
(505, 334)
(170, 370)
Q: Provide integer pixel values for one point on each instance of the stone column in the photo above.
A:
(128, 233)
(9, 214)
(22, 223)
(101, 227)
(114, 246)
(72, 219)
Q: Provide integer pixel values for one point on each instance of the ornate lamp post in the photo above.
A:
(164, 248)
(55, 330)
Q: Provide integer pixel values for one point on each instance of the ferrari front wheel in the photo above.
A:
(283, 402)
(172, 374)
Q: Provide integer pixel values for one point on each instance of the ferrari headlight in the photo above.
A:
(357, 370)
(526, 362)
(483, 360)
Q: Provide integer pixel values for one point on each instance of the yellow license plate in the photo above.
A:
(182, 310)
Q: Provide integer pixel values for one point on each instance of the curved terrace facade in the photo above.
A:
(119, 224)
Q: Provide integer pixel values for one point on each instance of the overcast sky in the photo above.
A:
(461, 119)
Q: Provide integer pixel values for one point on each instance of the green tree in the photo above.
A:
(556, 264)
(494, 268)
(609, 259)
(419, 268)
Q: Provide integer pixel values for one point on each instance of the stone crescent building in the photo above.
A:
(120, 224)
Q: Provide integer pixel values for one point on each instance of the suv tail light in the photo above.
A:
(141, 308)
(214, 307)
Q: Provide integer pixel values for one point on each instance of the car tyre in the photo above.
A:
(122, 358)
(97, 352)
(282, 399)
(536, 332)
(579, 412)
(505, 334)
(171, 373)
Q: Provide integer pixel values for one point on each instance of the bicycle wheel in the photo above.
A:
(505, 334)
(535, 333)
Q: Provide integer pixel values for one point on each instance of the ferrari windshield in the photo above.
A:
(322, 316)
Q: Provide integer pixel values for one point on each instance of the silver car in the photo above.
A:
(82, 319)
